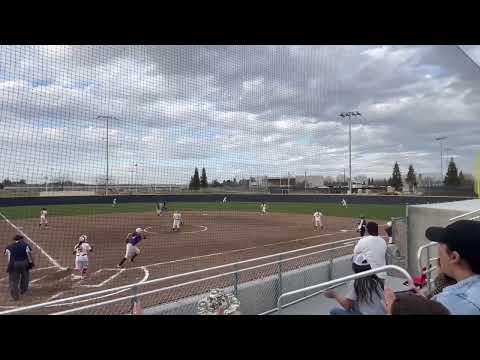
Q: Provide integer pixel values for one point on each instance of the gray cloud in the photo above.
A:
(236, 110)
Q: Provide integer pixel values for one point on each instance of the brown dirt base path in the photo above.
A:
(205, 240)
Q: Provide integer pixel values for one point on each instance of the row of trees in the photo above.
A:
(198, 182)
(452, 178)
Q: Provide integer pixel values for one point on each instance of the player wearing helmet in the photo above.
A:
(132, 250)
(81, 250)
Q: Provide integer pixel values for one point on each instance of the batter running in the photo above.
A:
(81, 250)
(177, 221)
(132, 250)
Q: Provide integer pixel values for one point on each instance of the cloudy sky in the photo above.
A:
(235, 110)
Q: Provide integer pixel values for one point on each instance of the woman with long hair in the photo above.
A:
(364, 296)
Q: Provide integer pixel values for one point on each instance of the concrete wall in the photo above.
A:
(422, 217)
(261, 295)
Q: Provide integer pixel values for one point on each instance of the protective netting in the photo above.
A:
(102, 138)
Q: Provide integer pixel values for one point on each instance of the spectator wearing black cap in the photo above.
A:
(20, 261)
(459, 258)
(373, 247)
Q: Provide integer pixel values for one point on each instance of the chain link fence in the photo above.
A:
(257, 284)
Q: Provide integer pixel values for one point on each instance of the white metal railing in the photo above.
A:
(466, 214)
(340, 281)
(429, 266)
(154, 281)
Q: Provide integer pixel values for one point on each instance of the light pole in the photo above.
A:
(106, 118)
(349, 115)
(440, 139)
(136, 179)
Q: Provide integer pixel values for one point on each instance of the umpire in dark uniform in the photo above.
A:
(20, 261)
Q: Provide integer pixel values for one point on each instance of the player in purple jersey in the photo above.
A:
(132, 240)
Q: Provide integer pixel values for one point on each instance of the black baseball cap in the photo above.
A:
(462, 236)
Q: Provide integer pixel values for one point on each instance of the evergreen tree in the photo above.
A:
(195, 181)
(461, 178)
(452, 179)
(396, 180)
(411, 178)
(203, 180)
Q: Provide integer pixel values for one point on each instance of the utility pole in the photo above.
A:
(440, 139)
(305, 181)
(106, 178)
(349, 115)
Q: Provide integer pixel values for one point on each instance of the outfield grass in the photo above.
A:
(371, 211)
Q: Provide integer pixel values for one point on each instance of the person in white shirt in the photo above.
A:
(43, 218)
(114, 204)
(317, 221)
(81, 250)
(373, 247)
(177, 219)
(225, 200)
(344, 203)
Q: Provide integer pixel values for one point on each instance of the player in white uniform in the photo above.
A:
(263, 208)
(114, 204)
(344, 203)
(81, 250)
(43, 218)
(317, 220)
(177, 220)
(225, 200)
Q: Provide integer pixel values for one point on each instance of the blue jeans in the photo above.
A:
(338, 311)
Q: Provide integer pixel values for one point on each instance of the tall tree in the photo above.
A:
(396, 180)
(461, 177)
(451, 179)
(411, 178)
(195, 181)
(203, 180)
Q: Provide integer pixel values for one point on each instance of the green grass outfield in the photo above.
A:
(371, 211)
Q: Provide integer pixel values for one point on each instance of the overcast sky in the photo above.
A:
(235, 110)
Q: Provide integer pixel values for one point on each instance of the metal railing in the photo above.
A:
(235, 273)
(322, 287)
(430, 266)
(466, 214)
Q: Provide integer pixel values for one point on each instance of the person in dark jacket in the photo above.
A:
(20, 262)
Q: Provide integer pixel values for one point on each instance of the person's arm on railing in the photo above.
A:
(347, 304)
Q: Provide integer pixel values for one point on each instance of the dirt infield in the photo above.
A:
(205, 240)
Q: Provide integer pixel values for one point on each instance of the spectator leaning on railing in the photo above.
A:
(459, 258)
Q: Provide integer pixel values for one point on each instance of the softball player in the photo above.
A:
(317, 220)
(388, 230)
(132, 250)
(344, 203)
(177, 219)
(224, 200)
(159, 209)
(114, 203)
(263, 208)
(43, 218)
(81, 250)
(362, 225)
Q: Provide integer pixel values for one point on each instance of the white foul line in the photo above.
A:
(52, 260)
(232, 251)
(106, 280)
(145, 278)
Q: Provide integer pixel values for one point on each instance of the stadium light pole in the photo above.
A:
(349, 116)
(106, 118)
(440, 139)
